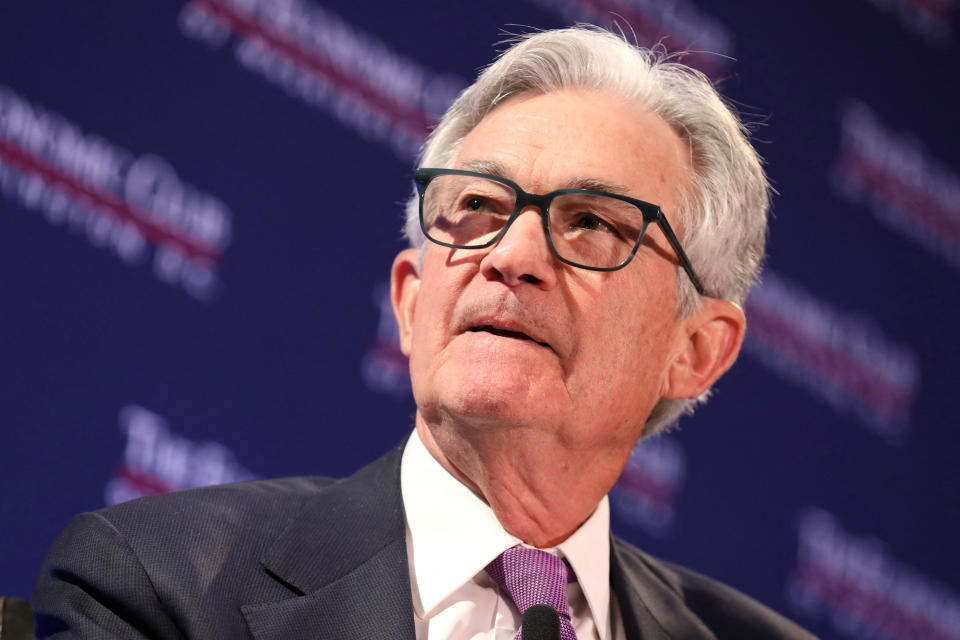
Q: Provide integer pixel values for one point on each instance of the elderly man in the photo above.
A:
(588, 219)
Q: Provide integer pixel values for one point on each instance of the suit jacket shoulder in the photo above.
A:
(265, 559)
(659, 599)
(311, 558)
(143, 568)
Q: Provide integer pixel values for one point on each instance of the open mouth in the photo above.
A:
(518, 335)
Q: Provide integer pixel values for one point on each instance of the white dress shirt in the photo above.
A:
(452, 535)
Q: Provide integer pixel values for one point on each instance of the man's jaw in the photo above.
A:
(539, 518)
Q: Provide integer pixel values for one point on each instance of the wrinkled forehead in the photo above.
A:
(586, 139)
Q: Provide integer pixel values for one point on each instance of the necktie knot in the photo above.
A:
(530, 576)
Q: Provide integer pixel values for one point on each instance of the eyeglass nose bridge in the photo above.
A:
(542, 202)
(524, 201)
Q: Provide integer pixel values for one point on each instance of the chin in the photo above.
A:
(498, 401)
(485, 404)
(482, 390)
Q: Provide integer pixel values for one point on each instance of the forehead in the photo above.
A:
(547, 141)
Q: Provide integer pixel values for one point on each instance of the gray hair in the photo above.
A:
(723, 213)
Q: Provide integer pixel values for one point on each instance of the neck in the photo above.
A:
(538, 490)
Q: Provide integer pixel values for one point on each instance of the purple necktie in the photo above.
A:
(529, 577)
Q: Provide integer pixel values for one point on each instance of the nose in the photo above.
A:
(522, 254)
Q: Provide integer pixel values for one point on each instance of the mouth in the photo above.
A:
(506, 333)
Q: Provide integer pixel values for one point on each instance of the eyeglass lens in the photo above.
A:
(587, 229)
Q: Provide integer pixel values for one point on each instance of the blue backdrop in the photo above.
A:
(182, 303)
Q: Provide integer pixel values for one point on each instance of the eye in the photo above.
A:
(592, 222)
(474, 204)
(477, 204)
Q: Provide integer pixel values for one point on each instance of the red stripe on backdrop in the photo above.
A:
(910, 200)
(857, 379)
(637, 481)
(107, 202)
(878, 610)
(412, 119)
(146, 484)
(939, 9)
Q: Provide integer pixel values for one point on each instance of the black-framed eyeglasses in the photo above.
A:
(588, 229)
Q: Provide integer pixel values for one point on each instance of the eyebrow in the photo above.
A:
(494, 168)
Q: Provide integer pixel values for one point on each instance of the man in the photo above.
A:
(588, 220)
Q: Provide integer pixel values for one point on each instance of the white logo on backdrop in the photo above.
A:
(899, 182)
(156, 460)
(317, 57)
(118, 201)
(862, 590)
(647, 491)
(841, 357)
(384, 367)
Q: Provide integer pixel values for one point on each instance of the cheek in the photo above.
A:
(432, 331)
(427, 333)
(628, 343)
(425, 356)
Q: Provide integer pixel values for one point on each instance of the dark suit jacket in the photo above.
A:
(310, 558)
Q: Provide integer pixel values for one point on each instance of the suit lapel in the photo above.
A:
(372, 601)
(649, 606)
(632, 592)
(345, 558)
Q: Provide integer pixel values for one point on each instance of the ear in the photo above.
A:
(710, 343)
(404, 289)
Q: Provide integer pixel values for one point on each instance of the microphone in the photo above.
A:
(540, 622)
(16, 620)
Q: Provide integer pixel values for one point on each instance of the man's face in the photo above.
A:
(511, 340)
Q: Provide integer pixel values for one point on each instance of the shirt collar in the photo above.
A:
(588, 552)
(453, 535)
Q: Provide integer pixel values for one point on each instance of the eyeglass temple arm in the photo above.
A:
(681, 254)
